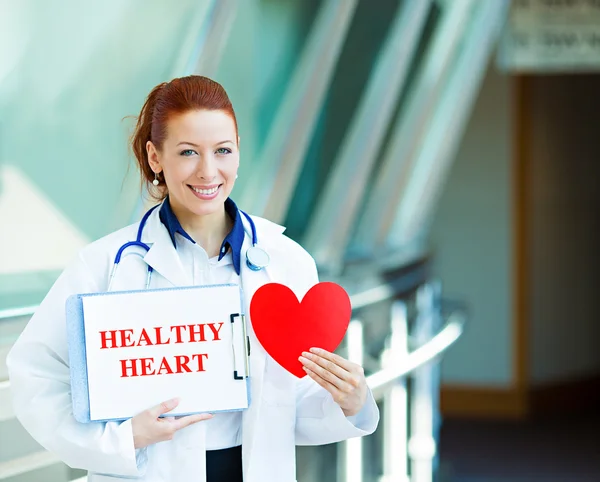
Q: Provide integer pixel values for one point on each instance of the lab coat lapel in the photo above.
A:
(252, 281)
(162, 256)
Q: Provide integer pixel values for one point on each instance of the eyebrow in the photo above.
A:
(196, 145)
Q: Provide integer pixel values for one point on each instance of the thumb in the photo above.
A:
(164, 407)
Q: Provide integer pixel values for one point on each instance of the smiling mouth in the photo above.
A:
(205, 192)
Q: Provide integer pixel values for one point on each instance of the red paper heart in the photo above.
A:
(286, 327)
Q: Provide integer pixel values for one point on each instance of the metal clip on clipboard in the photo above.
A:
(240, 347)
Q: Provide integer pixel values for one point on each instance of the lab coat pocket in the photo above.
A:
(279, 387)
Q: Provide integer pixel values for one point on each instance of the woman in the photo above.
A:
(187, 147)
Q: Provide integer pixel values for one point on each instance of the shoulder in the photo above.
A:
(273, 235)
(293, 264)
(87, 272)
(94, 261)
(109, 244)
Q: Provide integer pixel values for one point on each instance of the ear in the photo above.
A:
(153, 159)
(239, 138)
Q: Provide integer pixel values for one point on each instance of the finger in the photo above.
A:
(164, 407)
(332, 357)
(324, 383)
(190, 420)
(328, 371)
(347, 371)
(328, 365)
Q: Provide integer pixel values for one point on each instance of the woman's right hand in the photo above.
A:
(149, 429)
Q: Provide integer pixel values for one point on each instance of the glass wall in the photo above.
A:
(72, 73)
(303, 76)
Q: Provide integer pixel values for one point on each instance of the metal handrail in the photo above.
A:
(28, 463)
(379, 382)
(18, 312)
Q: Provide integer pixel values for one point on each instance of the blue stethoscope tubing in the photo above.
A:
(256, 257)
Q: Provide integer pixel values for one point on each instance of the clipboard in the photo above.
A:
(131, 350)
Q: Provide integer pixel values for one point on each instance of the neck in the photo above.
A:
(208, 230)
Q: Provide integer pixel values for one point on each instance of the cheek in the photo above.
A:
(230, 169)
(177, 171)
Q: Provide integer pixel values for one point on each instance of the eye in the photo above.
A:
(187, 152)
(224, 150)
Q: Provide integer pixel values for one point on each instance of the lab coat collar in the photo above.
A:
(162, 255)
(163, 258)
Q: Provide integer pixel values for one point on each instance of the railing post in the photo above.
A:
(395, 401)
(424, 397)
(350, 467)
(436, 374)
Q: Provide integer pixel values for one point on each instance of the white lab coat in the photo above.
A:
(284, 412)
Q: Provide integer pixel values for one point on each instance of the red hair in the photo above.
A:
(178, 96)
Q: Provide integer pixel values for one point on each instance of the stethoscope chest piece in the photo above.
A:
(257, 258)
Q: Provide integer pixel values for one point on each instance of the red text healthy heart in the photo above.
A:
(286, 327)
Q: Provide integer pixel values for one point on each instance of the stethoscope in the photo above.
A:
(256, 257)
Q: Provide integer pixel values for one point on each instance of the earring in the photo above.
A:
(236, 176)
(156, 182)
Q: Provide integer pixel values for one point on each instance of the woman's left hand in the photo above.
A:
(343, 379)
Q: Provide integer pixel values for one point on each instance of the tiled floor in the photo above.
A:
(552, 450)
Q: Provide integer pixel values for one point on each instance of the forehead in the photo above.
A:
(199, 126)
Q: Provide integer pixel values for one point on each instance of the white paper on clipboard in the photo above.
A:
(132, 350)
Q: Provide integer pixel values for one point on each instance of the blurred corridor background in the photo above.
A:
(438, 158)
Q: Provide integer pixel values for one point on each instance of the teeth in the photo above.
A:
(206, 192)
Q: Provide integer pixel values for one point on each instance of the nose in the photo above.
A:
(207, 168)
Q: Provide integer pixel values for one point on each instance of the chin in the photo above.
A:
(206, 209)
(202, 207)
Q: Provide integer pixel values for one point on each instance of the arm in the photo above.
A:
(320, 418)
(40, 385)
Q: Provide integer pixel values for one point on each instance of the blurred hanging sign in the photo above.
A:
(551, 36)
